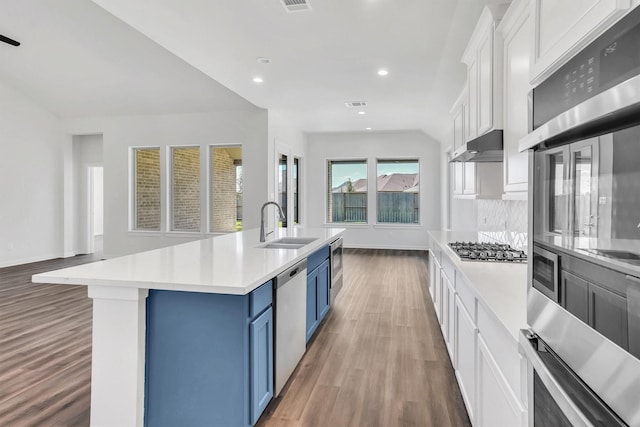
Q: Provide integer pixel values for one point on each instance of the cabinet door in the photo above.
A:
(473, 100)
(563, 28)
(458, 128)
(261, 336)
(608, 315)
(444, 307)
(485, 82)
(497, 403)
(575, 296)
(451, 323)
(516, 91)
(458, 177)
(466, 357)
(322, 288)
(437, 300)
(312, 302)
(469, 182)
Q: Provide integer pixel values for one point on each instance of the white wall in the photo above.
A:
(248, 128)
(30, 181)
(373, 145)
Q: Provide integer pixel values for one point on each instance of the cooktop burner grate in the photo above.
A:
(489, 252)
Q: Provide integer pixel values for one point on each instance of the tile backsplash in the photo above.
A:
(504, 221)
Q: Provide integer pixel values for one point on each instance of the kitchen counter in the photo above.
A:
(229, 264)
(502, 287)
(221, 274)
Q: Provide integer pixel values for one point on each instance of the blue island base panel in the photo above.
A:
(198, 360)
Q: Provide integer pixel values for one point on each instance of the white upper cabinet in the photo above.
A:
(515, 33)
(562, 28)
(483, 58)
(458, 112)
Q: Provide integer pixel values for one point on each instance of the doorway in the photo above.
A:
(95, 209)
(86, 219)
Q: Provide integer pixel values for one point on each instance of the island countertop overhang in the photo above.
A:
(230, 264)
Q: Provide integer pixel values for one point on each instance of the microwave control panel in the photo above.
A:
(609, 60)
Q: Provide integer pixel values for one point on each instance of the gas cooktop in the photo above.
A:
(490, 252)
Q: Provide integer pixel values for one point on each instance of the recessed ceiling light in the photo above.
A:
(367, 128)
(362, 113)
(382, 72)
(257, 80)
(263, 60)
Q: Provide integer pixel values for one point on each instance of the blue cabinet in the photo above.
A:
(209, 358)
(261, 336)
(318, 293)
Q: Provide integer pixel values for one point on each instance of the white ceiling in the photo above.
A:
(78, 60)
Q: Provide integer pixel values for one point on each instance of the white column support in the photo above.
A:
(118, 360)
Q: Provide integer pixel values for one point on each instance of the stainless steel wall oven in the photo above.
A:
(584, 265)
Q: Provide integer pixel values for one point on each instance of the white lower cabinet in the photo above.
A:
(451, 323)
(498, 406)
(483, 354)
(466, 343)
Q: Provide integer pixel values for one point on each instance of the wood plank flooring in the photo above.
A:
(45, 348)
(378, 359)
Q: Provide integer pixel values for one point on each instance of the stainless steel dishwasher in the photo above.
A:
(290, 323)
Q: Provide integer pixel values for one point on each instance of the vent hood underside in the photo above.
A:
(485, 148)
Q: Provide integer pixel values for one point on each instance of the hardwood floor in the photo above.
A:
(45, 348)
(378, 359)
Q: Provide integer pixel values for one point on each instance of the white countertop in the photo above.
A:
(500, 286)
(229, 264)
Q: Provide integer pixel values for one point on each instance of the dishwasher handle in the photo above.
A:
(290, 273)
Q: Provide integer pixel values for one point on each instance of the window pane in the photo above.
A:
(147, 189)
(282, 186)
(398, 186)
(296, 190)
(347, 192)
(226, 189)
(185, 188)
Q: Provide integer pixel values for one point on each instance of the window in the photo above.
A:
(296, 190)
(185, 189)
(347, 191)
(146, 189)
(398, 191)
(282, 186)
(225, 183)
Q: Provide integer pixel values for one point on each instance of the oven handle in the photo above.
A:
(528, 344)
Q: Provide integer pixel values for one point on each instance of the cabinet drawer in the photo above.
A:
(260, 299)
(504, 347)
(317, 258)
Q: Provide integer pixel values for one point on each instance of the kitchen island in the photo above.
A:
(230, 269)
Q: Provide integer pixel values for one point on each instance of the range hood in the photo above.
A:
(485, 148)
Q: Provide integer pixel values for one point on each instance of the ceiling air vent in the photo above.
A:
(296, 5)
(355, 104)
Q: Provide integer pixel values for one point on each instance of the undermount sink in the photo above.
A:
(296, 240)
(289, 243)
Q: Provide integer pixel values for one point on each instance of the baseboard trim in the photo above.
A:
(389, 247)
(28, 260)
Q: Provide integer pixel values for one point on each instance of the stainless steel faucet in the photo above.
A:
(282, 217)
